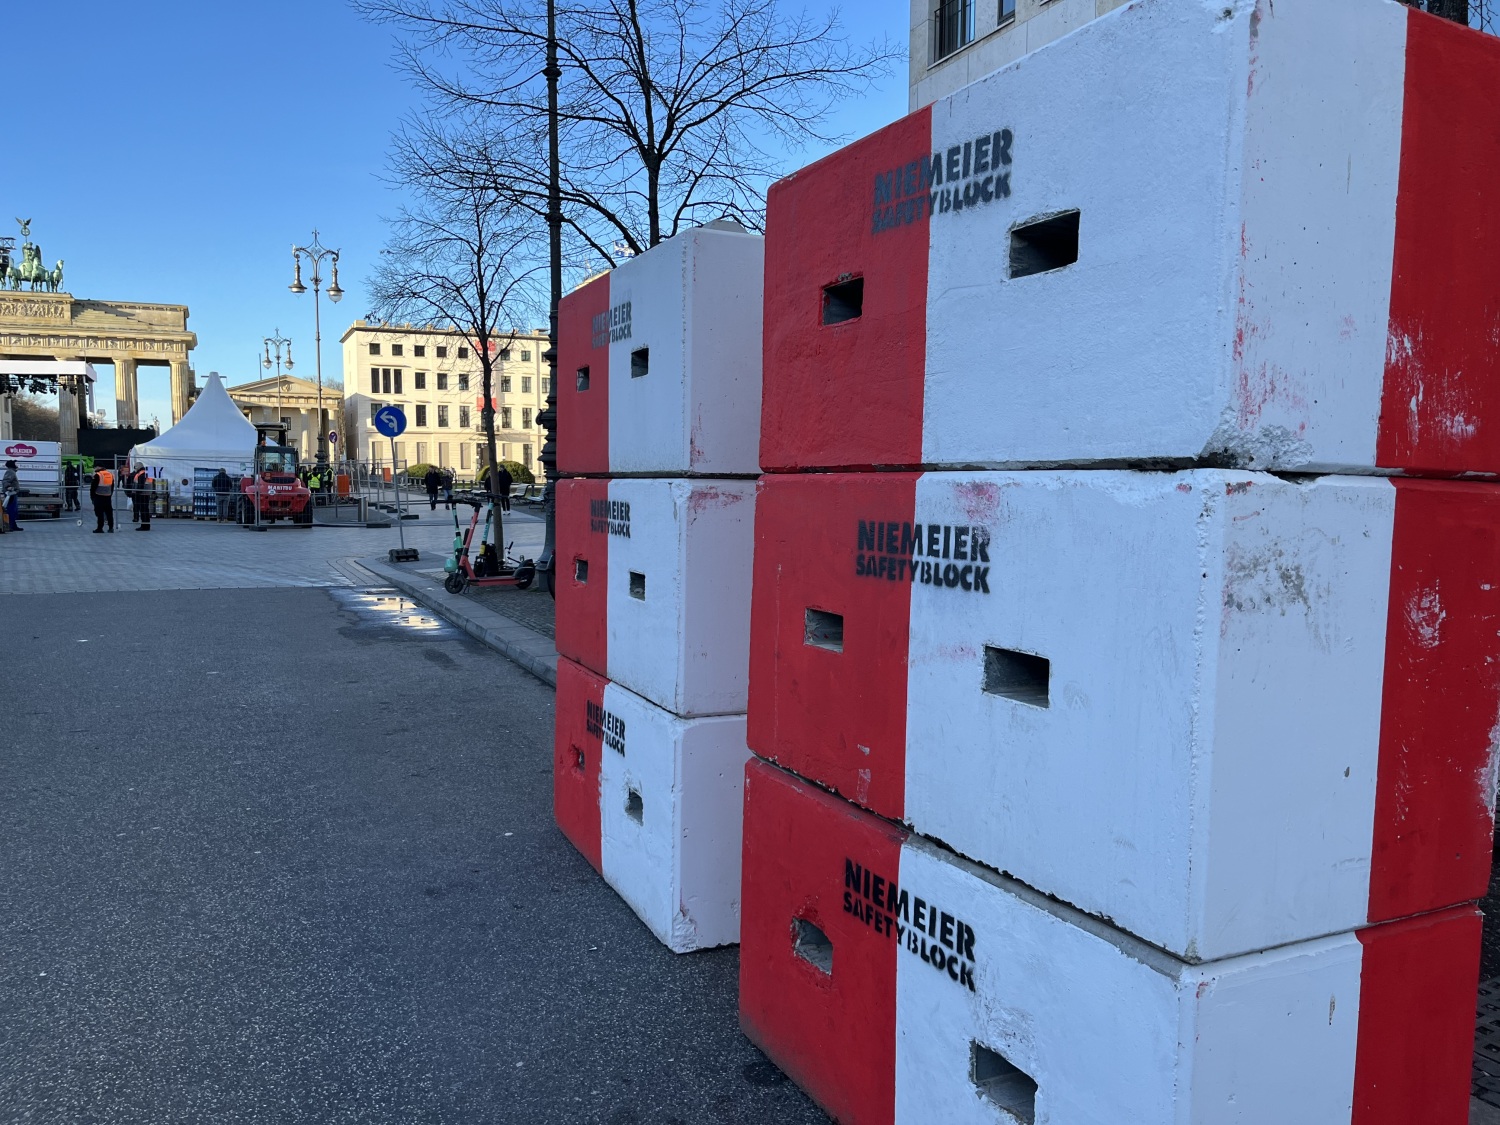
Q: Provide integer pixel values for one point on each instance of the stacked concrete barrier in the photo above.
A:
(659, 400)
(1129, 740)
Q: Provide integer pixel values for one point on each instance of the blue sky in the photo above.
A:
(174, 150)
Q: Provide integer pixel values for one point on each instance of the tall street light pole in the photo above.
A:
(316, 252)
(278, 341)
(548, 417)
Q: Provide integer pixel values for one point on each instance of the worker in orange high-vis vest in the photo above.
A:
(102, 493)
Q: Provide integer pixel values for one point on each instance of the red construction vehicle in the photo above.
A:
(274, 491)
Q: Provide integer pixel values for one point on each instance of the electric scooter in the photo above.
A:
(488, 567)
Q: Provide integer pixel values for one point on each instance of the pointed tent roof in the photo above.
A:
(213, 429)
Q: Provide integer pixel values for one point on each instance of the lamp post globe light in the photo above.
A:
(278, 341)
(315, 253)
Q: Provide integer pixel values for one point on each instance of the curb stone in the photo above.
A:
(517, 643)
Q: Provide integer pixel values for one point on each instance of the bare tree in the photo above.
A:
(462, 256)
(1471, 13)
(671, 111)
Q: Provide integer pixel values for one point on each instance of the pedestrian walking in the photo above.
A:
(143, 498)
(448, 488)
(72, 477)
(433, 480)
(503, 482)
(10, 491)
(102, 496)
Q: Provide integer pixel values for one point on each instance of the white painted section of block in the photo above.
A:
(676, 858)
(1111, 1030)
(685, 646)
(1318, 183)
(1134, 350)
(1216, 643)
(697, 305)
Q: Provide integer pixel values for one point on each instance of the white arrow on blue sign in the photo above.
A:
(390, 421)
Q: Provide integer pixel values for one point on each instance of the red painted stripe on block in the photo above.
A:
(833, 1032)
(838, 717)
(1440, 404)
(1416, 1020)
(846, 395)
(582, 415)
(582, 595)
(575, 759)
(1440, 700)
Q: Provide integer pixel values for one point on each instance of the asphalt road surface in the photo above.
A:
(287, 855)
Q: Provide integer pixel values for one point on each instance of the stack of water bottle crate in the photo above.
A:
(659, 405)
(1125, 645)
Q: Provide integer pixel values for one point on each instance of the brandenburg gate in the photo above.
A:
(42, 325)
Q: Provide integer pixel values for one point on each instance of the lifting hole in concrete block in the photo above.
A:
(578, 761)
(1002, 1083)
(581, 570)
(640, 363)
(844, 301)
(635, 808)
(824, 630)
(583, 378)
(637, 585)
(1017, 675)
(812, 945)
(1045, 245)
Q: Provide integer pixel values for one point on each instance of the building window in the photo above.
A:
(526, 455)
(463, 417)
(442, 415)
(505, 417)
(421, 415)
(398, 380)
(525, 355)
(400, 451)
(463, 353)
(505, 355)
(442, 352)
(463, 455)
(525, 384)
(525, 417)
(419, 350)
(546, 385)
(443, 454)
(952, 27)
(419, 380)
(463, 381)
(374, 380)
(421, 453)
(505, 384)
(385, 379)
(442, 380)
(1007, 11)
(374, 349)
(395, 349)
(505, 451)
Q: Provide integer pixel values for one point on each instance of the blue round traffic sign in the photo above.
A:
(390, 421)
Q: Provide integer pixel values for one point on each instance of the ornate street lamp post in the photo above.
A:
(547, 419)
(316, 252)
(279, 341)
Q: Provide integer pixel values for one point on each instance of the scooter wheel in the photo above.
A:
(454, 583)
(524, 576)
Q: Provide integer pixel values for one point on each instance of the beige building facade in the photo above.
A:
(955, 42)
(434, 376)
(294, 402)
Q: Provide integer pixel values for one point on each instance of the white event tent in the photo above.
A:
(213, 434)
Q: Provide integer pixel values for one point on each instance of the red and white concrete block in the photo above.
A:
(659, 367)
(653, 802)
(653, 587)
(898, 984)
(1223, 709)
(1238, 234)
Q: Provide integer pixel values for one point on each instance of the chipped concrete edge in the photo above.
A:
(517, 643)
